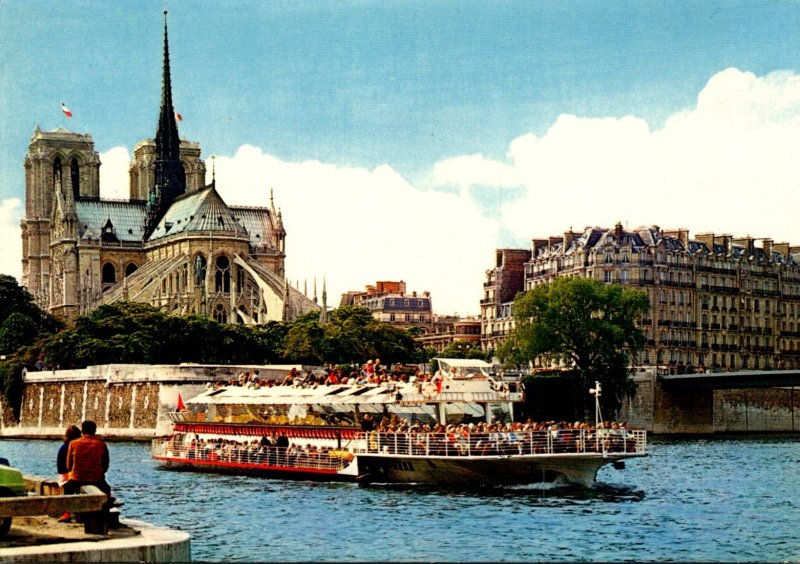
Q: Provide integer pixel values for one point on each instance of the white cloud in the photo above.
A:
(114, 181)
(10, 234)
(474, 170)
(356, 226)
(727, 165)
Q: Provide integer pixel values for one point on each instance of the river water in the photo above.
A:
(720, 500)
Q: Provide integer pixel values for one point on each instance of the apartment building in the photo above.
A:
(717, 301)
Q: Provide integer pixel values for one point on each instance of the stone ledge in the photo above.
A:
(44, 539)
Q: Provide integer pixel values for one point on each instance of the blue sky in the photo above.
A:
(394, 124)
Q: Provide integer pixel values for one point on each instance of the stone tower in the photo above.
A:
(61, 168)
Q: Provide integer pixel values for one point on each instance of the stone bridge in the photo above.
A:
(743, 401)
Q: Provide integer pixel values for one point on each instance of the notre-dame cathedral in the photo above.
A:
(174, 243)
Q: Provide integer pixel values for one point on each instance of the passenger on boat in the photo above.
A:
(367, 423)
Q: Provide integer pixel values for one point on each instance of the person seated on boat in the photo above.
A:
(289, 379)
(367, 423)
(333, 377)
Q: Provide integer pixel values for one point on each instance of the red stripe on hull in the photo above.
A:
(250, 469)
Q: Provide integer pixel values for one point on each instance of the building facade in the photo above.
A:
(451, 329)
(390, 303)
(503, 282)
(717, 301)
(174, 243)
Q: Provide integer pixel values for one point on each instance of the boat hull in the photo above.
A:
(498, 470)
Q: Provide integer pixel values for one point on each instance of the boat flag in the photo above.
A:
(181, 407)
(66, 110)
(178, 116)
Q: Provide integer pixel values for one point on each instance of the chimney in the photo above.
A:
(538, 244)
(766, 244)
(782, 248)
(707, 239)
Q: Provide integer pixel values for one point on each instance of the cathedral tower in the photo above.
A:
(61, 168)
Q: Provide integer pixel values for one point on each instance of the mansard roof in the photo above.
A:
(127, 218)
(201, 210)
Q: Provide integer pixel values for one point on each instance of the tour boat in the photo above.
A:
(326, 432)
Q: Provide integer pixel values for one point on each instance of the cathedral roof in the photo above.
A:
(127, 218)
(258, 224)
(201, 210)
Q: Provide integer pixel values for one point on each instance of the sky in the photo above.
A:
(409, 140)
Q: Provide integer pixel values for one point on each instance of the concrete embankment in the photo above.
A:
(44, 539)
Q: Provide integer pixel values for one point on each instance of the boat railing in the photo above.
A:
(250, 455)
(544, 442)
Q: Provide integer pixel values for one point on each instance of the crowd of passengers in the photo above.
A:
(272, 451)
(530, 437)
(371, 372)
(397, 436)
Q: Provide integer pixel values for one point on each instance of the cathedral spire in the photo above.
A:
(170, 178)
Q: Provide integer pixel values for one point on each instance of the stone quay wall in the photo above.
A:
(706, 411)
(127, 401)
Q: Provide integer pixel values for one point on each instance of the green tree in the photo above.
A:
(16, 299)
(306, 341)
(351, 335)
(395, 345)
(589, 326)
(22, 319)
(16, 331)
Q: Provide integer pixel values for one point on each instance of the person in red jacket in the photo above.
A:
(87, 460)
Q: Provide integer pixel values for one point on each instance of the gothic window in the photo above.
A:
(109, 273)
(75, 178)
(240, 280)
(57, 173)
(222, 276)
(130, 269)
(220, 315)
(199, 270)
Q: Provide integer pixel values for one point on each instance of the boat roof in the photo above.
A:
(463, 362)
(455, 391)
(335, 394)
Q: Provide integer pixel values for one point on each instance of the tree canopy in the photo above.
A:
(21, 320)
(586, 325)
(125, 332)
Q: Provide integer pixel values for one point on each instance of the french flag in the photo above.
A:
(178, 116)
(66, 110)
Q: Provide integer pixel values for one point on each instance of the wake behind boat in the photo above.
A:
(453, 428)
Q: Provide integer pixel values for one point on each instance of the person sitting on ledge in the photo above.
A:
(88, 461)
